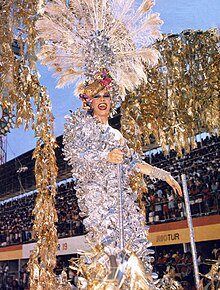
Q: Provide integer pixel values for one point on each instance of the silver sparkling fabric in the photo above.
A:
(86, 145)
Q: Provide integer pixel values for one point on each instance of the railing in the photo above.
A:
(200, 205)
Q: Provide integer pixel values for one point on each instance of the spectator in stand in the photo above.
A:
(15, 285)
(187, 269)
(179, 211)
(24, 277)
(214, 251)
(207, 197)
(157, 206)
(214, 185)
(170, 260)
(161, 264)
(178, 257)
(171, 205)
(1, 276)
(218, 256)
(150, 197)
(200, 262)
(159, 192)
(5, 273)
(165, 207)
(194, 190)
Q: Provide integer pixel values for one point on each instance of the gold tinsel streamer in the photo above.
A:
(43, 258)
(181, 97)
(21, 91)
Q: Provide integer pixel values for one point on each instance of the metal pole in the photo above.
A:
(19, 270)
(191, 230)
(121, 221)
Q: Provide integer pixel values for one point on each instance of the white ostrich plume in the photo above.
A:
(81, 36)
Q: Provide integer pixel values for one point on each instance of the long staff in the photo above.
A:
(191, 231)
(120, 198)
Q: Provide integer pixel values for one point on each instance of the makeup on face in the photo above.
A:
(101, 105)
(107, 95)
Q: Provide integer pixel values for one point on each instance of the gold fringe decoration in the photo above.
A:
(20, 90)
(43, 259)
(181, 97)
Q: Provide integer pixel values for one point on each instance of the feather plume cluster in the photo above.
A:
(81, 36)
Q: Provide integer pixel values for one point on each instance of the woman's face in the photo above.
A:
(101, 104)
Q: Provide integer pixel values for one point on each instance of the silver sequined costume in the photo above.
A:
(86, 145)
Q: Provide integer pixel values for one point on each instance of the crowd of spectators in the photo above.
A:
(181, 262)
(16, 218)
(9, 279)
(175, 263)
(182, 265)
(200, 167)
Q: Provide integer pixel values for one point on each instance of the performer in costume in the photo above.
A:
(94, 149)
(105, 44)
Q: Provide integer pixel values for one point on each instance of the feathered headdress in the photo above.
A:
(82, 37)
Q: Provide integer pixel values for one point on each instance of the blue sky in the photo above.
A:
(177, 15)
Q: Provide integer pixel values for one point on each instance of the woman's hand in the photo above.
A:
(174, 184)
(115, 156)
